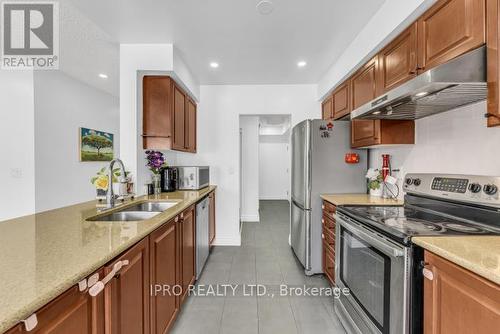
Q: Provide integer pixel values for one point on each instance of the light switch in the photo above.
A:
(16, 173)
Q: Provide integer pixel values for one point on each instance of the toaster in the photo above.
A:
(193, 178)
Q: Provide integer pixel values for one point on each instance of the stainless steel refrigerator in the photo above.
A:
(319, 167)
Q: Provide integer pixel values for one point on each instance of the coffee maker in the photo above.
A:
(169, 179)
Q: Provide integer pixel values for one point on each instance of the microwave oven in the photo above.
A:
(193, 178)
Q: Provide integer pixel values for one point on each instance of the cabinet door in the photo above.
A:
(179, 137)
(449, 29)
(458, 301)
(74, 311)
(329, 263)
(157, 109)
(398, 60)
(127, 294)
(493, 56)
(341, 101)
(365, 133)
(190, 126)
(327, 108)
(163, 264)
(188, 257)
(364, 84)
(211, 226)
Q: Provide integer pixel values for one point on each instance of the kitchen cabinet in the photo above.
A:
(74, 311)
(448, 29)
(365, 85)
(367, 133)
(164, 261)
(398, 60)
(341, 101)
(187, 249)
(127, 296)
(493, 56)
(327, 108)
(169, 116)
(18, 329)
(457, 300)
(211, 224)
(179, 137)
(328, 236)
(190, 126)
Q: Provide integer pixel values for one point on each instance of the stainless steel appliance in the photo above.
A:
(169, 179)
(376, 260)
(318, 166)
(456, 83)
(202, 235)
(193, 178)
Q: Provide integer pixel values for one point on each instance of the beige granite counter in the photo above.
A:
(359, 199)
(481, 255)
(43, 255)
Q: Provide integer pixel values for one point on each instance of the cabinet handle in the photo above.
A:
(322, 236)
(182, 215)
(99, 286)
(428, 274)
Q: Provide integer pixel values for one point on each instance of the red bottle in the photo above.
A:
(386, 165)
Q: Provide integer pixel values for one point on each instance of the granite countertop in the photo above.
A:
(359, 199)
(43, 255)
(479, 254)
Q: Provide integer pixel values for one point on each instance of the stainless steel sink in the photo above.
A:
(151, 206)
(124, 216)
(136, 212)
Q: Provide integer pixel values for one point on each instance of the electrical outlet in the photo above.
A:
(16, 173)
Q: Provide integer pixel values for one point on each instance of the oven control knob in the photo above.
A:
(417, 182)
(475, 188)
(490, 189)
(409, 181)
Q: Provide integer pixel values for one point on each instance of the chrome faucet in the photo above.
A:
(110, 196)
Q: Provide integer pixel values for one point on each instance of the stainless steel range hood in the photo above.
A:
(456, 83)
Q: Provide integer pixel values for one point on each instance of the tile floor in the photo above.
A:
(263, 258)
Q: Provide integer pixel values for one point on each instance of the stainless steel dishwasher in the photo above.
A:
(202, 236)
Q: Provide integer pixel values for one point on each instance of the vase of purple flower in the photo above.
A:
(155, 163)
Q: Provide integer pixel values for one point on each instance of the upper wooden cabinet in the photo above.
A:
(448, 29)
(398, 60)
(169, 116)
(366, 133)
(327, 108)
(493, 56)
(127, 296)
(341, 100)
(364, 84)
(458, 301)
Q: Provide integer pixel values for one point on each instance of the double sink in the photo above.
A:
(136, 212)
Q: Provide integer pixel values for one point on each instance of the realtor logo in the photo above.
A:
(30, 38)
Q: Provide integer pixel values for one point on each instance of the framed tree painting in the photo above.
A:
(96, 145)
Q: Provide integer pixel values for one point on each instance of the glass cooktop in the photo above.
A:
(405, 222)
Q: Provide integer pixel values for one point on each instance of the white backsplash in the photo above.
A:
(455, 142)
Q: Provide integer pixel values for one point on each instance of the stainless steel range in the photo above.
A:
(376, 260)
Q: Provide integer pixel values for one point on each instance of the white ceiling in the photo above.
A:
(251, 48)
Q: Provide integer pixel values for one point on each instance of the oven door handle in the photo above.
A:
(379, 242)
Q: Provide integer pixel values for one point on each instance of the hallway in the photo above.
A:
(263, 258)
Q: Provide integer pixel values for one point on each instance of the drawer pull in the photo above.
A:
(428, 274)
(30, 323)
(99, 286)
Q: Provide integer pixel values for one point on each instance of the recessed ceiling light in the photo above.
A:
(214, 64)
(103, 76)
(265, 7)
(301, 64)
(421, 94)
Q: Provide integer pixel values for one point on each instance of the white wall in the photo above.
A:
(62, 106)
(456, 142)
(392, 18)
(17, 144)
(218, 137)
(274, 167)
(249, 126)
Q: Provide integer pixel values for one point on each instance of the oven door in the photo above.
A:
(375, 270)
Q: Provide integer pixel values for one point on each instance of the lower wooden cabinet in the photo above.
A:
(211, 225)
(457, 301)
(188, 250)
(328, 236)
(164, 261)
(366, 133)
(127, 295)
